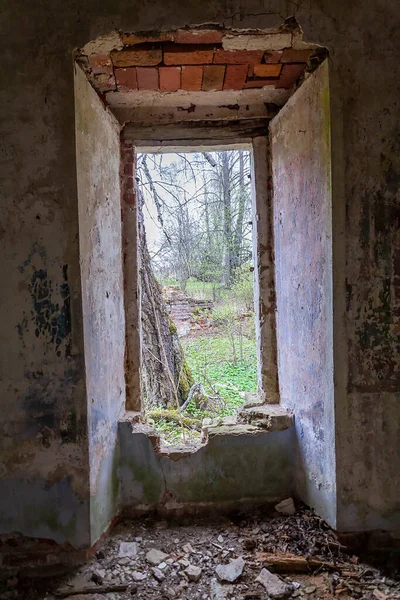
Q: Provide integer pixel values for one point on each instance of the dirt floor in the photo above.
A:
(148, 560)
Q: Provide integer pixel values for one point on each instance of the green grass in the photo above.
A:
(211, 359)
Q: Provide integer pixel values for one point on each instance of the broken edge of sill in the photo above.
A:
(250, 421)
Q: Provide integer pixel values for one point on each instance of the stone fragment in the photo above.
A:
(193, 573)
(159, 575)
(286, 507)
(155, 557)
(218, 591)
(97, 577)
(379, 595)
(162, 565)
(275, 587)
(310, 589)
(231, 571)
(138, 576)
(188, 549)
(183, 562)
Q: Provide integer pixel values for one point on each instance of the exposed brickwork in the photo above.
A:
(196, 60)
(213, 78)
(147, 78)
(126, 79)
(235, 77)
(238, 57)
(273, 56)
(192, 78)
(267, 70)
(143, 57)
(187, 55)
(101, 63)
(290, 74)
(170, 79)
(127, 182)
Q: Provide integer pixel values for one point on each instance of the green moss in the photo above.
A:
(172, 327)
(186, 380)
(172, 415)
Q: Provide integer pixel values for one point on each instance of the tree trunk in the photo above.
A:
(166, 377)
(226, 200)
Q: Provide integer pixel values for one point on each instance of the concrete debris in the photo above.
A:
(187, 560)
(155, 557)
(286, 507)
(231, 571)
(138, 576)
(98, 577)
(218, 591)
(275, 587)
(378, 595)
(193, 573)
(159, 575)
(187, 548)
(128, 549)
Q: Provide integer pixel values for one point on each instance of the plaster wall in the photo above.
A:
(301, 172)
(42, 386)
(229, 470)
(99, 201)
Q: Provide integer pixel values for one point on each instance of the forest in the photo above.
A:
(196, 284)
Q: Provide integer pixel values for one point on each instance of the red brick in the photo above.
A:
(132, 39)
(192, 78)
(272, 57)
(235, 77)
(128, 169)
(213, 78)
(267, 70)
(258, 83)
(238, 57)
(198, 36)
(175, 54)
(126, 79)
(291, 55)
(128, 184)
(290, 74)
(170, 79)
(139, 57)
(129, 199)
(101, 63)
(147, 78)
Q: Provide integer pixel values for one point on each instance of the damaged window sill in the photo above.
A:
(253, 419)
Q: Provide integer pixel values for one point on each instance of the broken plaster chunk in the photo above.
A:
(159, 575)
(193, 573)
(127, 549)
(286, 507)
(219, 591)
(231, 571)
(155, 557)
(275, 587)
(187, 548)
(138, 576)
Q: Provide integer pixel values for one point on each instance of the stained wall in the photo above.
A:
(42, 385)
(99, 201)
(302, 205)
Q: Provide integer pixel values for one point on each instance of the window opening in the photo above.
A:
(198, 336)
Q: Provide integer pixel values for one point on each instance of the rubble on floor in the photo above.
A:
(254, 557)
